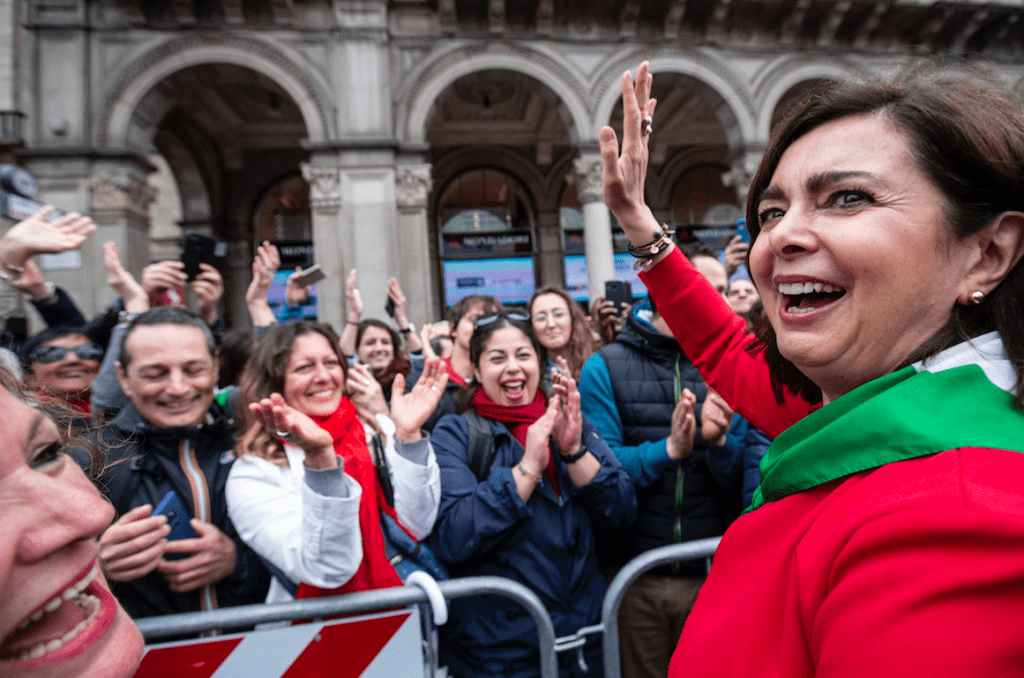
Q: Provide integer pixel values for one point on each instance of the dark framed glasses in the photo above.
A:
(514, 316)
(51, 354)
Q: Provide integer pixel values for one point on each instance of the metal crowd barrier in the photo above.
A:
(691, 550)
(194, 623)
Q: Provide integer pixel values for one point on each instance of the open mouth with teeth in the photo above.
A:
(514, 391)
(59, 622)
(809, 296)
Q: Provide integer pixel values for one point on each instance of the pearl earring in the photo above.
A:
(977, 297)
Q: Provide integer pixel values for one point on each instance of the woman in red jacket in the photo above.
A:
(887, 229)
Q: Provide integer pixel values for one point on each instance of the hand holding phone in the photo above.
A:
(310, 276)
(199, 249)
(178, 519)
(618, 292)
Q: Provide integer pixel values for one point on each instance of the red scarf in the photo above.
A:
(452, 374)
(518, 420)
(81, 404)
(375, 572)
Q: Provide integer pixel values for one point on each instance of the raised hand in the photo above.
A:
(411, 410)
(625, 175)
(295, 293)
(264, 265)
(131, 292)
(36, 235)
(352, 298)
(163, 276)
(684, 425)
(715, 419)
(31, 281)
(208, 287)
(284, 421)
(735, 254)
(568, 427)
(538, 448)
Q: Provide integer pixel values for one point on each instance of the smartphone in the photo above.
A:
(741, 230)
(310, 276)
(199, 249)
(389, 307)
(618, 291)
(178, 518)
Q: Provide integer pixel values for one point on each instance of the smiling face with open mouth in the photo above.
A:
(69, 377)
(509, 368)
(57, 616)
(313, 377)
(855, 263)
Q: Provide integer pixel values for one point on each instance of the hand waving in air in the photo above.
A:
(411, 410)
(284, 421)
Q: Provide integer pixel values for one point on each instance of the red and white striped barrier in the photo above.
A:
(385, 645)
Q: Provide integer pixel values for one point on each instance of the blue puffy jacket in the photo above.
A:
(547, 543)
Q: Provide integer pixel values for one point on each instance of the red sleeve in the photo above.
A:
(714, 338)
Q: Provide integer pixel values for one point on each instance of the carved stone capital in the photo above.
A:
(744, 167)
(586, 176)
(413, 184)
(324, 187)
(121, 192)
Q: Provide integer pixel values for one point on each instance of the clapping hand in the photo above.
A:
(264, 265)
(366, 393)
(679, 445)
(568, 427)
(715, 419)
(411, 410)
(353, 298)
(284, 421)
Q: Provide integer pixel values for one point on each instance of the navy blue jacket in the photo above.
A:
(547, 543)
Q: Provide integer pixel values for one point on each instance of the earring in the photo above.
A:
(977, 296)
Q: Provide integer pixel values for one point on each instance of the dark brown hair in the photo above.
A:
(581, 343)
(967, 136)
(481, 335)
(463, 305)
(264, 374)
(399, 362)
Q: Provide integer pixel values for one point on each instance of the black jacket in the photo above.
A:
(685, 502)
(144, 463)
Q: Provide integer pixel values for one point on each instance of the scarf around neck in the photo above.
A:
(453, 376)
(518, 419)
(374, 572)
(956, 399)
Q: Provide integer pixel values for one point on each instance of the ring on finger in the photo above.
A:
(647, 125)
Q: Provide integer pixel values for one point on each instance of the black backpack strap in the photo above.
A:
(480, 451)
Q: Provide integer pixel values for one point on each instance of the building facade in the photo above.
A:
(451, 143)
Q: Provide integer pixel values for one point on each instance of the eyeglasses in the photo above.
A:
(514, 316)
(51, 354)
(557, 314)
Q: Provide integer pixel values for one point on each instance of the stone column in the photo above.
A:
(549, 250)
(597, 223)
(415, 273)
(325, 204)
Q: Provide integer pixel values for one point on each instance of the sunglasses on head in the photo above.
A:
(51, 354)
(514, 316)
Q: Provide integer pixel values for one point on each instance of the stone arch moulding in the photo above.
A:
(787, 74)
(146, 71)
(711, 71)
(428, 84)
(494, 158)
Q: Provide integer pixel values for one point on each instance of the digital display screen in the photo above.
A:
(576, 276)
(275, 295)
(510, 281)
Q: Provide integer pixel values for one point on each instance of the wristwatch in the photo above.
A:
(575, 457)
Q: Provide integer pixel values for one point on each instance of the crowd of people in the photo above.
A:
(878, 340)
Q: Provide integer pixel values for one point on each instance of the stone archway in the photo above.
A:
(143, 73)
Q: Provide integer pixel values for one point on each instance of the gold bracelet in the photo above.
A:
(535, 478)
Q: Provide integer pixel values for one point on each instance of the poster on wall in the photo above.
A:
(510, 280)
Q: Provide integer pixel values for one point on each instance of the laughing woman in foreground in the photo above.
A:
(886, 537)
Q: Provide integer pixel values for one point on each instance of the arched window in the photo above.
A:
(486, 238)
